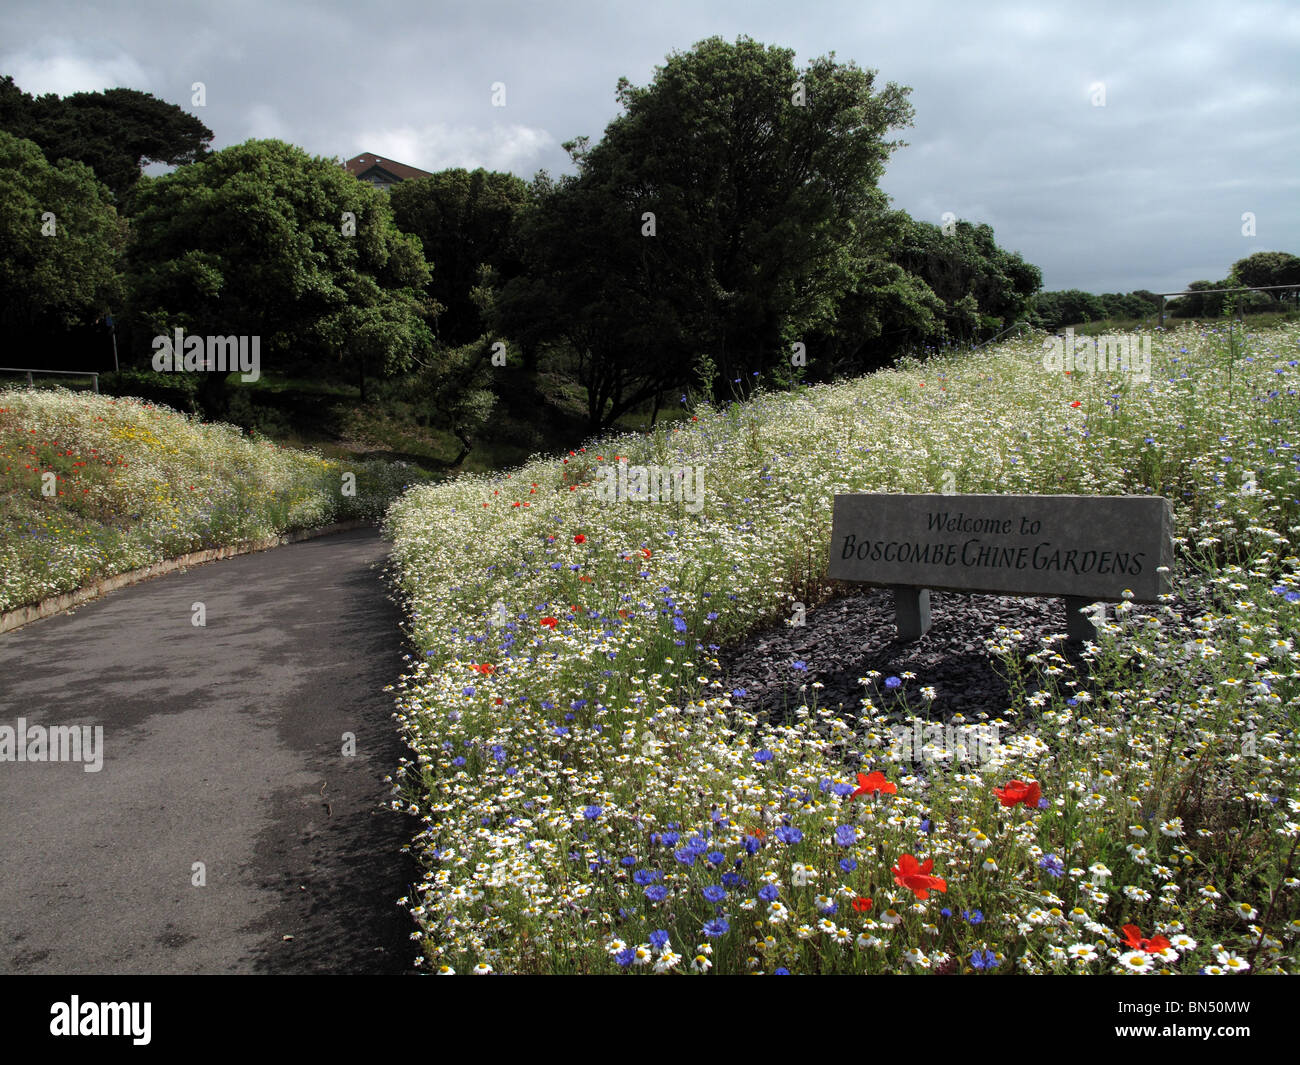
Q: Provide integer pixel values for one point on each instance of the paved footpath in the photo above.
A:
(222, 745)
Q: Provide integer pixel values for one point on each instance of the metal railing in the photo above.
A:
(92, 374)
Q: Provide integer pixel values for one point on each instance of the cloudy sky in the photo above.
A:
(1115, 145)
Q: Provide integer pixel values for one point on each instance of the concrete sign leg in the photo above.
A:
(1078, 628)
(912, 612)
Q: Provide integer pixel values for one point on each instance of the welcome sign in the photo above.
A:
(1084, 548)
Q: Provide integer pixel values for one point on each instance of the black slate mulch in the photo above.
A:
(845, 638)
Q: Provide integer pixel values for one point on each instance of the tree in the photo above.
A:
(983, 288)
(60, 241)
(114, 132)
(1071, 306)
(723, 215)
(263, 239)
(465, 221)
(1268, 268)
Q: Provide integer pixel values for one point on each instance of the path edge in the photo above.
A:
(57, 604)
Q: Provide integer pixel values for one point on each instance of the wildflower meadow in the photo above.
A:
(92, 486)
(593, 800)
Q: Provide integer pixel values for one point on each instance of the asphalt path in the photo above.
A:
(223, 761)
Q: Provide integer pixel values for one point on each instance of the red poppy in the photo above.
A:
(1133, 937)
(550, 623)
(870, 784)
(646, 551)
(1018, 791)
(579, 539)
(915, 876)
(1076, 403)
(757, 833)
(862, 904)
(486, 668)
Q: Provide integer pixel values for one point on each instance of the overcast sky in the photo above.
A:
(1200, 123)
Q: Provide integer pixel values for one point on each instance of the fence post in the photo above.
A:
(30, 382)
(95, 378)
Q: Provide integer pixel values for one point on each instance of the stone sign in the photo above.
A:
(1083, 548)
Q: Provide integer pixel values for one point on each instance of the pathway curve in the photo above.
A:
(222, 745)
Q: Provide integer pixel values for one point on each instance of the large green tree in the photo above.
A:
(467, 223)
(984, 288)
(1266, 268)
(723, 215)
(263, 239)
(60, 241)
(114, 132)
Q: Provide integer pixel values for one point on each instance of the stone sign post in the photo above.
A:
(1085, 549)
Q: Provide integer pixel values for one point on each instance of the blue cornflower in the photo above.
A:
(781, 972)
(591, 812)
(983, 959)
(715, 857)
(625, 957)
(659, 939)
(768, 892)
(973, 916)
(714, 893)
(458, 761)
(893, 682)
(846, 835)
(717, 927)
(764, 755)
(1052, 865)
(848, 864)
(945, 912)
(629, 860)
(801, 666)
(646, 876)
(788, 834)
(679, 624)
(752, 844)
(685, 856)
(657, 893)
(926, 826)
(732, 880)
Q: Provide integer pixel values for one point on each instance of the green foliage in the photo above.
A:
(466, 221)
(255, 240)
(457, 388)
(60, 239)
(761, 220)
(114, 132)
(982, 287)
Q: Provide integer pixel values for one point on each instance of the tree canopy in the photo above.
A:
(114, 132)
(60, 240)
(263, 239)
(722, 215)
(467, 223)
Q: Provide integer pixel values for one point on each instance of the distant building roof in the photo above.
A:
(382, 172)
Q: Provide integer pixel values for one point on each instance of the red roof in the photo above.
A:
(360, 165)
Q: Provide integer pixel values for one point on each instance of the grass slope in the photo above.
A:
(92, 486)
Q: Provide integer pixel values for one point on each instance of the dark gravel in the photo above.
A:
(848, 636)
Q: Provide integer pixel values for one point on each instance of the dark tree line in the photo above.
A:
(726, 231)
